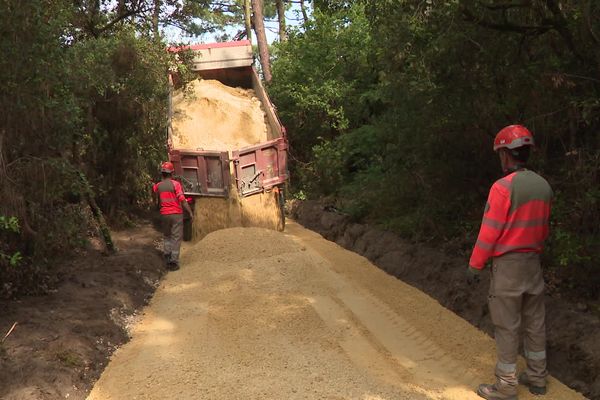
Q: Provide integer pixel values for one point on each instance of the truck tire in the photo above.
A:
(281, 202)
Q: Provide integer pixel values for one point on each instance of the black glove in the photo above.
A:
(473, 275)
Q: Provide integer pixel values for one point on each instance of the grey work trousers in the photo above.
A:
(516, 301)
(172, 225)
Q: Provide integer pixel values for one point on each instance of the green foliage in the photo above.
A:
(84, 99)
(122, 83)
(8, 227)
(59, 222)
(9, 224)
(60, 215)
(400, 131)
(318, 96)
(10, 257)
(69, 359)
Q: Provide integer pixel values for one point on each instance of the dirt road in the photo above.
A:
(256, 314)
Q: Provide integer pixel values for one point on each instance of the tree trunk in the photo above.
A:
(102, 225)
(155, 18)
(248, 19)
(304, 13)
(97, 214)
(261, 38)
(281, 17)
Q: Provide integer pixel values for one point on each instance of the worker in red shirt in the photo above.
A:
(170, 198)
(514, 227)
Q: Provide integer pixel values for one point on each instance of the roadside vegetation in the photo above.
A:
(392, 107)
(82, 119)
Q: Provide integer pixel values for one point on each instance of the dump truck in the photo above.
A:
(226, 142)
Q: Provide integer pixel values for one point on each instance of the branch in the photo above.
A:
(118, 19)
(588, 20)
(505, 6)
(12, 328)
(232, 8)
(506, 26)
(561, 26)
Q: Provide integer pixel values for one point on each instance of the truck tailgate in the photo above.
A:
(204, 173)
(261, 167)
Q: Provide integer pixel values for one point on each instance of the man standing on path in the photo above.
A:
(514, 227)
(170, 197)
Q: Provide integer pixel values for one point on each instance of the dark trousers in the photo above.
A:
(172, 225)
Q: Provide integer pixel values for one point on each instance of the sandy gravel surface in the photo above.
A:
(257, 314)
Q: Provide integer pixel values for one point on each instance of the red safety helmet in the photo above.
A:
(513, 136)
(167, 167)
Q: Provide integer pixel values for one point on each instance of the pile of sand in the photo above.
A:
(209, 115)
(258, 210)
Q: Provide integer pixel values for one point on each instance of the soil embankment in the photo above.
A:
(256, 314)
(63, 340)
(208, 115)
(573, 334)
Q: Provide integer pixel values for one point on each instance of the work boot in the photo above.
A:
(491, 392)
(524, 380)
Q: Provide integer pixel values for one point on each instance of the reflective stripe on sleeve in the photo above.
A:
(483, 245)
(492, 223)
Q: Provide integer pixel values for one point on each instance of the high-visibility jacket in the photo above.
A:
(516, 217)
(170, 194)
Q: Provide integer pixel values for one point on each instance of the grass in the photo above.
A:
(69, 359)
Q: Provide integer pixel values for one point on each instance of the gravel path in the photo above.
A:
(257, 314)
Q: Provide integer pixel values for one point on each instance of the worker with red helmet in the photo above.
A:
(170, 198)
(514, 227)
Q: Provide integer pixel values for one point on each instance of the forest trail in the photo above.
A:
(257, 314)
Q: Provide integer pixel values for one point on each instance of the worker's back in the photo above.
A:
(527, 220)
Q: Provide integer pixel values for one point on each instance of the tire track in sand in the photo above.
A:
(445, 356)
(389, 339)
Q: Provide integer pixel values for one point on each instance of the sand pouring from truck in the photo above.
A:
(226, 142)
